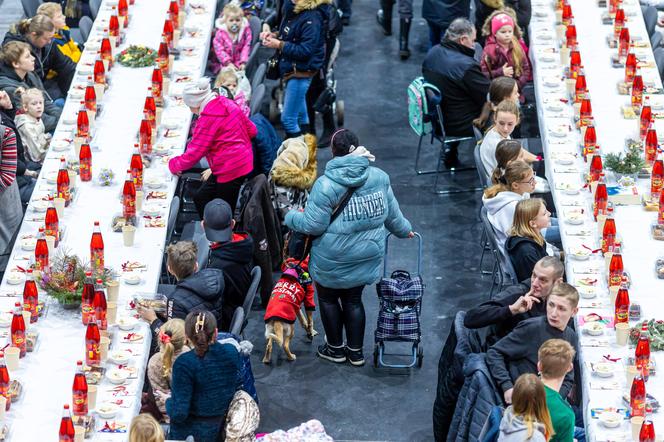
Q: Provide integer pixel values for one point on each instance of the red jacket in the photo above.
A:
(223, 135)
(287, 296)
(495, 56)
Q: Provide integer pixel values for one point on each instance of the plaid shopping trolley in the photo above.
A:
(400, 296)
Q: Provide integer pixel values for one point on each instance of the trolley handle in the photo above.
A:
(419, 253)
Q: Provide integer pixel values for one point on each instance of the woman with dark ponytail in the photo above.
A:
(204, 381)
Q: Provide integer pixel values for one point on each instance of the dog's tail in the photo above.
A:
(276, 333)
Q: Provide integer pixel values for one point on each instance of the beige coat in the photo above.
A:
(34, 137)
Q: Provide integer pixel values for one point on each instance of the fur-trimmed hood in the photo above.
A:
(296, 165)
(495, 4)
(219, 24)
(309, 5)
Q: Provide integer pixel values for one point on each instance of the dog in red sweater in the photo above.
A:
(293, 289)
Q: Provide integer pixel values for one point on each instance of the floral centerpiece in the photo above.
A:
(65, 277)
(655, 332)
(137, 56)
(628, 164)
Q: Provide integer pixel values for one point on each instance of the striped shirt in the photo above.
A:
(9, 158)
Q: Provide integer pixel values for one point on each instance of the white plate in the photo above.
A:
(76, 93)
(575, 221)
(117, 375)
(120, 357)
(170, 123)
(5, 320)
(28, 244)
(127, 323)
(151, 209)
(594, 328)
(565, 159)
(611, 419)
(52, 177)
(132, 279)
(603, 369)
(555, 107)
(544, 37)
(580, 255)
(107, 410)
(588, 293)
(39, 206)
(59, 145)
(73, 119)
(15, 278)
(547, 58)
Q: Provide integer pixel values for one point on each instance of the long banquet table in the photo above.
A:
(47, 373)
(633, 223)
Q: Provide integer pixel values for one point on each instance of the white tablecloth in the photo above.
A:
(633, 223)
(47, 373)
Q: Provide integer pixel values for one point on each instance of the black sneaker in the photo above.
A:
(355, 357)
(332, 354)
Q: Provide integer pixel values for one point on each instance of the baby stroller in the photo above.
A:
(400, 297)
(326, 100)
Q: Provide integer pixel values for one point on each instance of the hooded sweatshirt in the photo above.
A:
(349, 252)
(513, 429)
(500, 210)
(524, 254)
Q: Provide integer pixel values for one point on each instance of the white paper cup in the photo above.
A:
(636, 423)
(613, 292)
(92, 397)
(104, 343)
(622, 333)
(73, 179)
(78, 141)
(50, 242)
(111, 312)
(59, 204)
(79, 433)
(99, 91)
(166, 83)
(630, 372)
(112, 290)
(26, 317)
(176, 37)
(128, 233)
(139, 194)
(3, 408)
(12, 357)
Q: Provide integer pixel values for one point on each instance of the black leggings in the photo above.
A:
(211, 189)
(339, 309)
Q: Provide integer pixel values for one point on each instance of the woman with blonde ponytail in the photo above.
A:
(171, 345)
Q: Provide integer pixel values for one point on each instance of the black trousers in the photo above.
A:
(342, 309)
(211, 189)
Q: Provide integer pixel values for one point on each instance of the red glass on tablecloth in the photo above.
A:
(150, 109)
(570, 36)
(129, 199)
(596, 167)
(642, 352)
(645, 120)
(136, 167)
(87, 299)
(656, 178)
(82, 123)
(609, 232)
(92, 339)
(31, 297)
(145, 137)
(651, 146)
(174, 13)
(157, 85)
(51, 222)
(5, 381)
(168, 32)
(85, 162)
(601, 198)
(123, 9)
(114, 29)
(63, 182)
(637, 397)
(99, 305)
(622, 302)
(647, 433)
(623, 43)
(66, 433)
(630, 68)
(585, 112)
(107, 52)
(637, 91)
(660, 212)
(99, 72)
(41, 251)
(18, 329)
(580, 88)
(162, 55)
(90, 96)
(567, 14)
(574, 63)
(589, 141)
(79, 391)
(618, 22)
(616, 268)
(97, 250)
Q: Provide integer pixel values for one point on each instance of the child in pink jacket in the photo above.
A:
(232, 41)
(228, 78)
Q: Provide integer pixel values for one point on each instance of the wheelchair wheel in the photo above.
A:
(340, 113)
(274, 113)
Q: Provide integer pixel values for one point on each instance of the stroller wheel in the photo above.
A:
(420, 355)
(340, 112)
(274, 112)
(375, 356)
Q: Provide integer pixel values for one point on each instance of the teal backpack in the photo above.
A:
(418, 107)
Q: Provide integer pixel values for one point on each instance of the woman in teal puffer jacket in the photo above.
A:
(348, 254)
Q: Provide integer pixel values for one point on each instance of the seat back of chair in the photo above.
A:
(650, 19)
(485, 180)
(259, 76)
(257, 97)
(659, 60)
(94, 8)
(504, 263)
(251, 293)
(255, 25)
(84, 26)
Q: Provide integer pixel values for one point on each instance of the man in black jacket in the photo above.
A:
(47, 57)
(230, 252)
(452, 68)
(195, 290)
(517, 353)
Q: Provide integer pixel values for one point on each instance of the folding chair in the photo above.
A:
(237, 321)
(259, 76)
(94, 8)
(251, 293)
(252, 62)
(30, 7)
(84, 27)
(656, 40)
(486, 182)
(503, 271)
(257, 97)
(172, 217)
(255, 26)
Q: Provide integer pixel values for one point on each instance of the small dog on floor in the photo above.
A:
(292, 290)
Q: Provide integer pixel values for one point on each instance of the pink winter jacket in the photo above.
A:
(223, 136)
(229, 51)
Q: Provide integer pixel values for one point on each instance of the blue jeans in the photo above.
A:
(345, 7)
(295, 105)
(60, 102)
(552, 233)
(580, 434)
